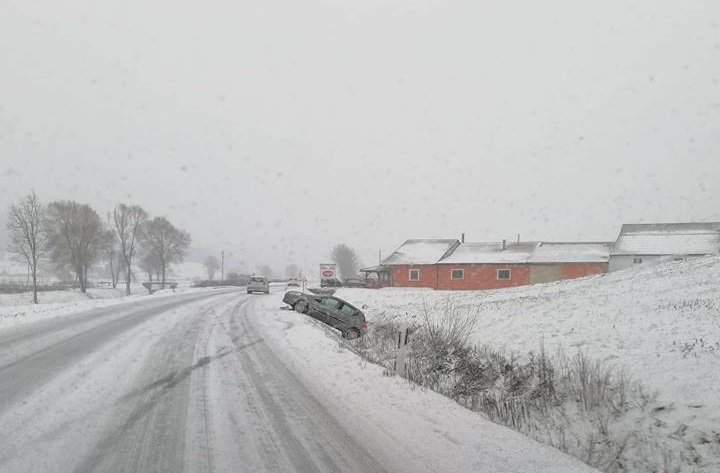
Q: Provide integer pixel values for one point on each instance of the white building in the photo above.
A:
(649, 243)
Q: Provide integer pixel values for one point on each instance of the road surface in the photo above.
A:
(169, 385)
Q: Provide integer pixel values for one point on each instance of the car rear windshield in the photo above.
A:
(349, 310)
(257, 280)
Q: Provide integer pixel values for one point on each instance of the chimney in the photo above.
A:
(462, 238)
(504, 244)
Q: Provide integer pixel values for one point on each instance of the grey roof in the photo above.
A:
(421, 251)
(702, 238)
(491, 253)
(572, 252)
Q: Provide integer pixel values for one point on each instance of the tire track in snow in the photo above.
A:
(311, 438)
(150, 434)
(37, 365)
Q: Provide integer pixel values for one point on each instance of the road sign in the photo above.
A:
(327, 270)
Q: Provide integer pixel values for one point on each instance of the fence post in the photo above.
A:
(403, 338)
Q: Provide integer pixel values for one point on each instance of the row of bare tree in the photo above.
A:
(74, 237)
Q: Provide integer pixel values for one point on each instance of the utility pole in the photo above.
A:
(222, 267)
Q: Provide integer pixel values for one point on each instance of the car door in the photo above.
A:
(325, 309)
(344, 318)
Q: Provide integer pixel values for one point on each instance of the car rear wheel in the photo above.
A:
(352, 334)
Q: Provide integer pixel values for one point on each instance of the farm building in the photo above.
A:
(649, 243)
(490, 265)
(414, 263)
(485, 266)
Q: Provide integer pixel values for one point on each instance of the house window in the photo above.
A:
(414, 275)
(457, 274)
(637, 260)
(503, 274)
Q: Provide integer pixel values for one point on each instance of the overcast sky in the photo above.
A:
(276, 129)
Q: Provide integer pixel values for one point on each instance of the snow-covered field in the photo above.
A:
(661, 323)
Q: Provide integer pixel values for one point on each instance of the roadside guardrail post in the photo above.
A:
(403, 339)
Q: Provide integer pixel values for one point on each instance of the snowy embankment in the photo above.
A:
(16, 309)
(421, 426)
(661, 324)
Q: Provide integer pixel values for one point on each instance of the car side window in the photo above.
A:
(349, 310)
(330, 302)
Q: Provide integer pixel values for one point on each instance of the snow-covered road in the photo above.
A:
(198, 383)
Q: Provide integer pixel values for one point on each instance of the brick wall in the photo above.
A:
(401, 276)
(482, 276)
(579, 270)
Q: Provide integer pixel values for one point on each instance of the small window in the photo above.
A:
(457, 274)
(414, 275)
(637, 260)
(503, 274)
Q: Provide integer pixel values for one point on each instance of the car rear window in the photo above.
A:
(257, 280)
(349, 310)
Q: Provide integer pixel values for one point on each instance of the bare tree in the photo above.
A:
(75, 237)
(292, 271)
(128, 221)
(27, 239)
(110, 250)
(150, 264)
(165, 243)
(266, 270)
(346, 259)
(211, 265)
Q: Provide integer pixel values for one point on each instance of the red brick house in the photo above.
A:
(486, 266)
(451, 265)
(414, 263)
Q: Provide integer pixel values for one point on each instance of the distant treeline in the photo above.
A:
(74, 238)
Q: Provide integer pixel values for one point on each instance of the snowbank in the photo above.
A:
(16, 309)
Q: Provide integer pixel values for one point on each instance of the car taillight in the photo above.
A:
(364, 325)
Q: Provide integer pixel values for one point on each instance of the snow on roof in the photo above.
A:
(668, 239)
(420, 252)
(491, 253)
(574, 252)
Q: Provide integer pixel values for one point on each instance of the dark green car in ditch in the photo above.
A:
(337, 313)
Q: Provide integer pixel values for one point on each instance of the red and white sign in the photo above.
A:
(327, 270)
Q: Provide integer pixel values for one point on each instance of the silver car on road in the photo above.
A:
(258, 284)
